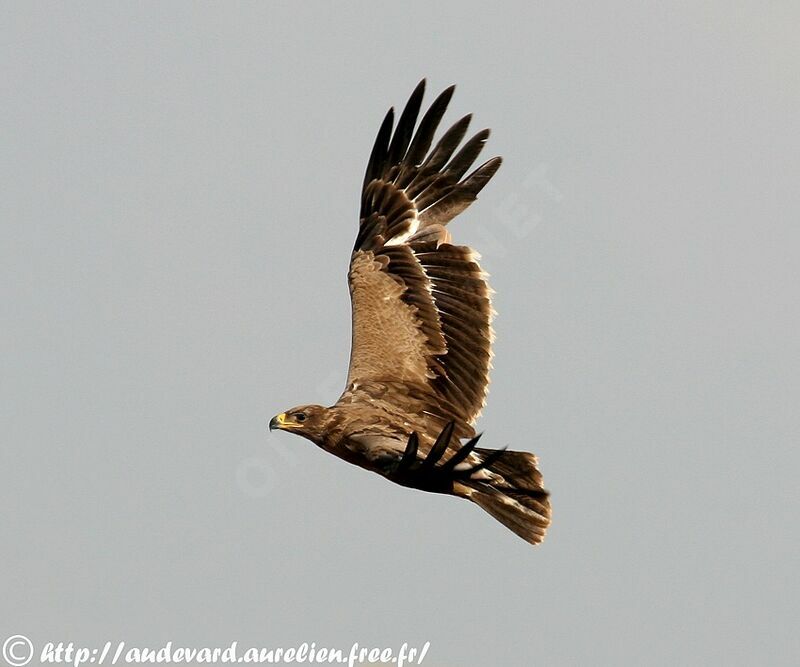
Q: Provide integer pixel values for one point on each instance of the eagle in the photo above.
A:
(422, 333)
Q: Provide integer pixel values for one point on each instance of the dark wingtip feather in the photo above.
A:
(380, 148)
(439, 446)
(448, 144)
(462, 453)
(427, 127)
(481, 176)
(455, 199)
(465, 157)
(410, 453)
(405, 126)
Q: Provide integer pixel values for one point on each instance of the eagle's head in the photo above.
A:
(306, 420)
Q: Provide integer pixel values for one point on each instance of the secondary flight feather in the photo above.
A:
(422, 335)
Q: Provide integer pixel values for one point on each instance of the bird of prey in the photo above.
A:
(421, 330)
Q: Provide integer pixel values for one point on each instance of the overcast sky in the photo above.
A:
(179, 199)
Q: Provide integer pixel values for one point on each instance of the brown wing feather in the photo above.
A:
(421, 306)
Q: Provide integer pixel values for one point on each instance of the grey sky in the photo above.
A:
(179, 198)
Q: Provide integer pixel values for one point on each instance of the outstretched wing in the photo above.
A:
(421, 305)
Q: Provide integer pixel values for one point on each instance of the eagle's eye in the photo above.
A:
(300, 416)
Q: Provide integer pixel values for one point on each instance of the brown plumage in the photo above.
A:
(422, 336)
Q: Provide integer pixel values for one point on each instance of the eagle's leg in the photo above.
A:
(424, 473)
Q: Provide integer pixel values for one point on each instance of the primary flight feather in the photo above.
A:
(422, 335)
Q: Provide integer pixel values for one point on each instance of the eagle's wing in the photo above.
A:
(421, 306)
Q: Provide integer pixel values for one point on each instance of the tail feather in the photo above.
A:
(513, 494)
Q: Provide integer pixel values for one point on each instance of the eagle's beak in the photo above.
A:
(278, 421)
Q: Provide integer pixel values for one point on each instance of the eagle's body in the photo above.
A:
(421, 346)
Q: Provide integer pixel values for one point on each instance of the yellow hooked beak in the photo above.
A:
(279, 421)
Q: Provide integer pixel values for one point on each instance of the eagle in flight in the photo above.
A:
(422, 335)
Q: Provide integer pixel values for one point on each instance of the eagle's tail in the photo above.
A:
(513, 494)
